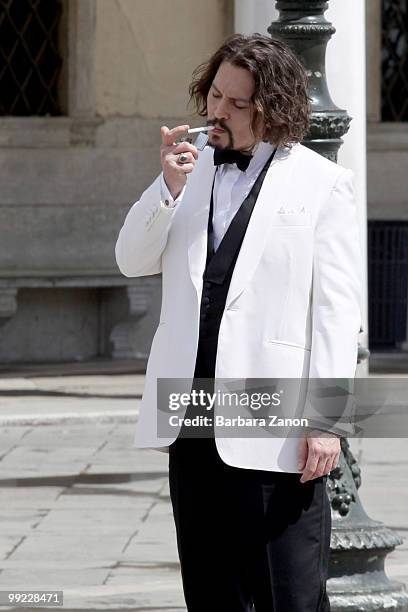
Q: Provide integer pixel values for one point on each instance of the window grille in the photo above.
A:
(387, 282)
(30, 59)
(394, 60)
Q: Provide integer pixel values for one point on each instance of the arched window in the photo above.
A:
(30, 57)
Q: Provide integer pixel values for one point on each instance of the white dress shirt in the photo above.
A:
(231, 187)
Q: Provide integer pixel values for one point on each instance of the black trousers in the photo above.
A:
(247, 537)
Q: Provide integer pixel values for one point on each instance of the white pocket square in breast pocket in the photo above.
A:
(286, 215)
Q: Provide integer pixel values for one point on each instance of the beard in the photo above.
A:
(220, 124)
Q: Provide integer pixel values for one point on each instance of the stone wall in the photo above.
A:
(146, 52)
(68, 182)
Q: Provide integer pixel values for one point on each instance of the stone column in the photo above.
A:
(347, 84)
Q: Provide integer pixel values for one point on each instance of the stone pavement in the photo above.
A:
(83, 511)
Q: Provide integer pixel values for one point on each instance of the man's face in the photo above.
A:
(230, 109)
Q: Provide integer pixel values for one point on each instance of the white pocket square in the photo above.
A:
(283, 210)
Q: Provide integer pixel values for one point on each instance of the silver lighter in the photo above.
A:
(199, 142)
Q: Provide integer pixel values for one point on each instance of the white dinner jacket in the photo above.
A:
(293, 308)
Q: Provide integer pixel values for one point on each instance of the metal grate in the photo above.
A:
(387, 282)
(30, 60)
(395, 60)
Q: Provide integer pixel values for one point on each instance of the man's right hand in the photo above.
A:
(175, 173)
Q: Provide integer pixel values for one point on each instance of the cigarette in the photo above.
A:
(207, 128)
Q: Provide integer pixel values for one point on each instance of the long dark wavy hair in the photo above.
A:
(280, 98)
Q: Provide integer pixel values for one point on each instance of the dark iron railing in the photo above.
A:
(387, 282)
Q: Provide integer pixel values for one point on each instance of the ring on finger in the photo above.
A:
(182, 158)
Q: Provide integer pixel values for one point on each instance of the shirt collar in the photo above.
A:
(261, 153)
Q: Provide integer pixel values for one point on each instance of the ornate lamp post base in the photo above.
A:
(359, 545)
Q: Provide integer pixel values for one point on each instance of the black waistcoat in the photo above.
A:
(217, 276)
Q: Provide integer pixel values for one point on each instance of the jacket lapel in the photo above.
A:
(274, 191)
(200, 189)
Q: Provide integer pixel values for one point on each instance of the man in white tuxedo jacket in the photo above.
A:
(261, 278)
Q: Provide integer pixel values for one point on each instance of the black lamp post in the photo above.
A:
(359, 545)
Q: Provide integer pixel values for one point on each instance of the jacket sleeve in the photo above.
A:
(144, 234)
(336, 309)
(337, 285)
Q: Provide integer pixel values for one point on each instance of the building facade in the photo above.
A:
(84, 87)
(387, 159)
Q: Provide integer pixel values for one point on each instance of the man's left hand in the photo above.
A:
(319, 454)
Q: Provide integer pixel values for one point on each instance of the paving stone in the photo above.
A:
(36, 455)
(73, 546)
(46, 564)
(60, 410)
(137, 460)
(44, 469)
(95, 520)
(396, 564)
(29, 497)
(165, 492)
(20, 521)
(145, 485)
(8, 543)
(20, 384)
(114, 385)
(141, 589)
(84, 496)
(151, 587)
(123, 431)
(70, 436)
(155, 541)
(384, 494)
(127, 458)
(12, 435)
(29, 577)
(381, 451)
(110, 544)
(157, 553)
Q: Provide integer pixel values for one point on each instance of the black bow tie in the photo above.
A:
(231, 156)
